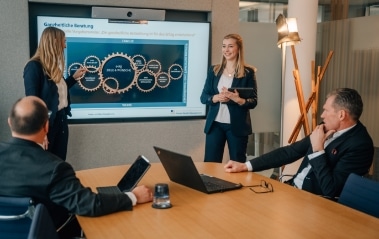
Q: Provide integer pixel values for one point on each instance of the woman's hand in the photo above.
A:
(79, 73)
(220, 98)
(233, 95)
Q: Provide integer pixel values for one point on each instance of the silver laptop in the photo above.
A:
(181, 169)
(131, 178)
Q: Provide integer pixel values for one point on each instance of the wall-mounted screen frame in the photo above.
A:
(137, 70)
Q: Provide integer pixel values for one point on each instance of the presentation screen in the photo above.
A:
(136, 69)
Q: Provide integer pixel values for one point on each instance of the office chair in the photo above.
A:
(20, 219)
(15, 217)
(361, 194)
(42, 226)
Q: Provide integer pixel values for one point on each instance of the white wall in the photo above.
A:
(262, 52)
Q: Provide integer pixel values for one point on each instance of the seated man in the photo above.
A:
(327, 161)
(26, 169)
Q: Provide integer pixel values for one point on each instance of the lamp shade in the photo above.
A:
(287, 31)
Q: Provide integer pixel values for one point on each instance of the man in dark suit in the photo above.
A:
(26, 169)
(336, 148)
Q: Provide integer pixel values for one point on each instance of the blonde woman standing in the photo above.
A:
(43, 77)
(228, 119)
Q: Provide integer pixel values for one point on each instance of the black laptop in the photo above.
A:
(181, 169)
(131, 178)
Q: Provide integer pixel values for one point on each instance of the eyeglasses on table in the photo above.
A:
(264, 187)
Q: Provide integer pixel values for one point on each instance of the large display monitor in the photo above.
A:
(136, 69)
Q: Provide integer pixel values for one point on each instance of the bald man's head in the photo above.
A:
(28, 115)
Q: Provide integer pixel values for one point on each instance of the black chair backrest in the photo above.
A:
(361, 194)
(42, 226)
(15, 217)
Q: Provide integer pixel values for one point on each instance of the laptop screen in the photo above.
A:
(134, 174)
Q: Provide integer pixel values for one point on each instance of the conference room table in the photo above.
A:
(287, 212)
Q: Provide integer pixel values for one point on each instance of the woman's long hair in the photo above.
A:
(50, 53)
(240, 66)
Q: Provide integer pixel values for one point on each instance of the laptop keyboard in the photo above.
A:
(215, 184)
(108, 190)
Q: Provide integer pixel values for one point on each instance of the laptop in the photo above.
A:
(131, 178)
(181, 169)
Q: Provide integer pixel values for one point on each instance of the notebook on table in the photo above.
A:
(130, 179)
(181, 169)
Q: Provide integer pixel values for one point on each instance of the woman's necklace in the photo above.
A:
(229, 74)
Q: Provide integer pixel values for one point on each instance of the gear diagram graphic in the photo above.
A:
(119, 72)
(108, 87)
(92, 63)
(121, 68)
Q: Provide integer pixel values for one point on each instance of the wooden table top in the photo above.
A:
(286, 213)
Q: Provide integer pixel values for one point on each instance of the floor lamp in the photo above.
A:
(287, 36)
(313, 99)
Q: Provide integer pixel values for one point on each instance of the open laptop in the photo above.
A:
(131, 178)
(181, 169)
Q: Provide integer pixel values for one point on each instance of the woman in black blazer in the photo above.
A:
(43, 77)
(228, 119)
